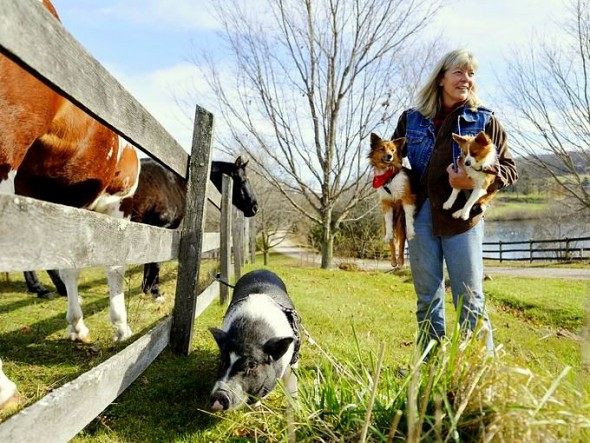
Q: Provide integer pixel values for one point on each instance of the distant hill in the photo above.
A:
(531, 165)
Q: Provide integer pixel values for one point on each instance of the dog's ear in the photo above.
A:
(459, 138)
(399, 142)
(374, 139)
(482, 139)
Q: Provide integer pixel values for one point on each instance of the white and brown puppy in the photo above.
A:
(479, 158)
(392, 182)
(259, 342)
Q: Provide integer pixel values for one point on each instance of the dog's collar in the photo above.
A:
(385, 178)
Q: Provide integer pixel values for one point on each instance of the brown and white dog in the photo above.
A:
(392, 182)
(479, 157)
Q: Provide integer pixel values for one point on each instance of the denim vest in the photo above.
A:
(420, 134)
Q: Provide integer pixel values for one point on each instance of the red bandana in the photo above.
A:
(380, 180)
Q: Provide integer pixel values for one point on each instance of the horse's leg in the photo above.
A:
(35, 286)
(151, 281)
(57, 281)
(146, 284)
(8, 392)
(77, 329)
(116, 279)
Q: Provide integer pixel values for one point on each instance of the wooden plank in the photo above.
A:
(33, 38)
(214, 196)
(60, 415)
(41, 235)
(29, 238)
(206, 297)
(191, 240)
(225, 237)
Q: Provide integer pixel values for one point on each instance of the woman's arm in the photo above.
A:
(505, 169)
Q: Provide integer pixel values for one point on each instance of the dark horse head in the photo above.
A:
(243, 196)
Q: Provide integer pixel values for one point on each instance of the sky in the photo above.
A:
(147, 45)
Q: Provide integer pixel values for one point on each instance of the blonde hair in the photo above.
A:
(428, 99)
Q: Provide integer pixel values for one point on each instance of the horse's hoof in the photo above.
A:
(82, 335)
(46, 295)
(11, 402)
(123, 333)
(79, 338)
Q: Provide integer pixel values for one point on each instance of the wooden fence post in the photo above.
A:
(252, 224)
(238, 242)
(530, 250)
(500, 250)
(246, 240)
(191, 238)
(225, 237)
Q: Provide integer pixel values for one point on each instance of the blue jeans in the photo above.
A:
(464, 259)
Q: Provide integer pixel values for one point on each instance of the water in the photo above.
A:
(556, 227)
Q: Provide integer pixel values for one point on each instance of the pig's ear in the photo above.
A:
(219, 336)
(277, 346)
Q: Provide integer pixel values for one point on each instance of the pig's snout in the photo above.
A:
(220, 401)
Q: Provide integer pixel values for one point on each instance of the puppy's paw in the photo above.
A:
(458, 214)
(447, 205)
(388, 237)
(410, 233)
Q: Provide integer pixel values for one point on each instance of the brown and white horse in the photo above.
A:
(52, 150)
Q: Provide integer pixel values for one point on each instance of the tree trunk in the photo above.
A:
(265, 255)
(327, 241)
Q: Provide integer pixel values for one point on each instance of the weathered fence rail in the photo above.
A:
(559, 249)
(29, 239)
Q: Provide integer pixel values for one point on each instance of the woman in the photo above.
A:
(448, 104)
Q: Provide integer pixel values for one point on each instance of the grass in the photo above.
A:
(508, 207)
(547, 302)
(350, 315)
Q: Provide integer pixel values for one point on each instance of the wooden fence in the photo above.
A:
(29, 238)
(560, 249)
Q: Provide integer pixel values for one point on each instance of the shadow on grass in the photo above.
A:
(168, 400)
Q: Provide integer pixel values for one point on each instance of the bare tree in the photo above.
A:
(549, 90)
(309, 81)
(274, 220)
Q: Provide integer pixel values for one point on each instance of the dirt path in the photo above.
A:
(290, 248)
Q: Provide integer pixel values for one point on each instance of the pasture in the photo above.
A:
(348, 314)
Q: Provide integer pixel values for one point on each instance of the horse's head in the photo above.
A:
(243, 196)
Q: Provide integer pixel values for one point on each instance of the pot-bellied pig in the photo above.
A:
(259, 342)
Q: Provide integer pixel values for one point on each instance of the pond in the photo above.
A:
(555, 227)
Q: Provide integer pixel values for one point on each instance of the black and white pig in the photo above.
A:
(259, 342)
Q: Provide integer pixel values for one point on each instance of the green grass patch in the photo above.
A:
(551, 302)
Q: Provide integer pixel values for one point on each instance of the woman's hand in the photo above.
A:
(459, 179)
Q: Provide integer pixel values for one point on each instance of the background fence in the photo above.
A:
(29, 239)
(560, 249)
